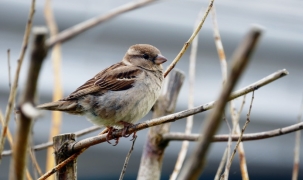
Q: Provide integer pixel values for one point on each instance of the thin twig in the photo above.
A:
(127, 159)
(219, 46)
(220, 168)
(13, 89)
(50, 143)
(189, 41)
(58, 92)
(241, 152)
(9, 69)
(9, 135)
(236, 117)
(246, 137)
(189, 120)
(236, 130)
(62, 164)
(35, 162)
(11, 143)
(295, 172)
(239, 140)
(79, 28)
(228, 148)
(223, 64)
(242, 132)
(242, 105)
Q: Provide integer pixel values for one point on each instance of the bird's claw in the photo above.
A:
(110, 135)
(134, 136)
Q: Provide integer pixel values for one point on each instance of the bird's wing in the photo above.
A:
(117, 77)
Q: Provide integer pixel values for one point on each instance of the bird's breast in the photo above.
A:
(128, 105)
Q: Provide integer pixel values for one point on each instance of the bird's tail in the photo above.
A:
(66, 106)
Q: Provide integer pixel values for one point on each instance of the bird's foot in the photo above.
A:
(125, 129)
(110, 131)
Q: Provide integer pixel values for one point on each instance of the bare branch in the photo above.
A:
(9, 135)
(242, 159)
(246, 137)
(24, 123)
(223, 64)
(186, 44)
(127, 159)
(226, 173)
(62, 164)
(195, 137)
(79, 28)
(228, 147)
(13, 89)
(237, 114)
(219, 46)
(11, 143)
(9, 69)
(220, 168)
(35, 162)
(190, 119)
(195, 164)
(50, 143)
(295, 172)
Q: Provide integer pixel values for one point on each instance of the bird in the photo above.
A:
(120, 95)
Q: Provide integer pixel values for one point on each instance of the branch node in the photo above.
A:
(30, 111)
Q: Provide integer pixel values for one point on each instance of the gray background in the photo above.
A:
(167, 25)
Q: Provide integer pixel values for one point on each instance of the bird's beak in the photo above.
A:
(160, 59)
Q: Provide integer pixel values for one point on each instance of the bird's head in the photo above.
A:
(145, 56)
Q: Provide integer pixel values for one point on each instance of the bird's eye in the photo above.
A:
(145, 56)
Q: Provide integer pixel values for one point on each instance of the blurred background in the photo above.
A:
(167, 25)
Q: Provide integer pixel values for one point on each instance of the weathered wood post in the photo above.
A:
(61, 142)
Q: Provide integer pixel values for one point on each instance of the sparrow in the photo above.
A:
(121, 94)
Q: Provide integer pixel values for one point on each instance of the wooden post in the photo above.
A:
(61, 143)
(151, 160)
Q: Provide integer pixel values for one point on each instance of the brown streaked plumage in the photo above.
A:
(121, 94)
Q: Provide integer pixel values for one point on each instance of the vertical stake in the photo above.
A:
(61, 143)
